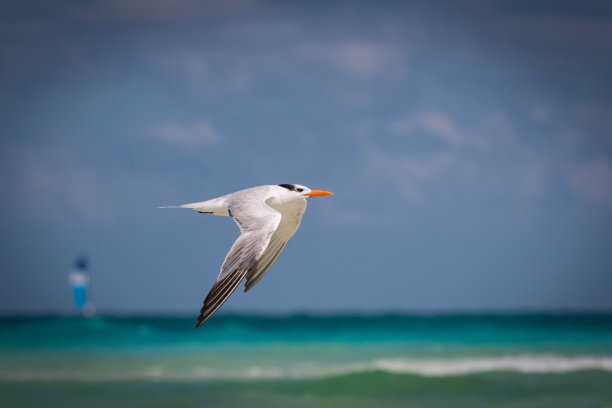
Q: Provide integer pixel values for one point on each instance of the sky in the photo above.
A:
(468, 144)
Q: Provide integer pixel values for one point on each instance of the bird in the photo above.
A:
(268, 216)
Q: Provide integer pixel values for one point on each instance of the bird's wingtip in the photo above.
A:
(199, 323)
(201, 319)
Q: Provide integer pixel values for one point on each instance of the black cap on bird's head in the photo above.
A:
(305, 190)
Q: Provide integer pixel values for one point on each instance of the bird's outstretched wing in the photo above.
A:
(290, 222)
(258, 224)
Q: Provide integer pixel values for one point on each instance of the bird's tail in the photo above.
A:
(214, 206)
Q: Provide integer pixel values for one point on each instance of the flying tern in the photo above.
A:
(267, 216)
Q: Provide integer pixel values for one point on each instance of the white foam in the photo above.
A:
(542, 364)
(531, 364)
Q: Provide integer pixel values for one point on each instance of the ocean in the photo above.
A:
(391, 360)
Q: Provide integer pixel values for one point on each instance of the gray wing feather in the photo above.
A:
(288, 226)
(264, 263)
(258, 224)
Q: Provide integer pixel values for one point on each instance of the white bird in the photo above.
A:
(267, 216)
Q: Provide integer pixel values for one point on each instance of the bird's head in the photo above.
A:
(300, 191)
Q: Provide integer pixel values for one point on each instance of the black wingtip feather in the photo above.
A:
(218, 295)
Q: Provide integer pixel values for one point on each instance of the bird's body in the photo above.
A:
(268, 216)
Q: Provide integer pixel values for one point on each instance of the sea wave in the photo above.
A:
(525, 364)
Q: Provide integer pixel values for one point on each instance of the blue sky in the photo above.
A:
(469, 145)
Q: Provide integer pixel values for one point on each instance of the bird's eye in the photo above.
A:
(299, 190)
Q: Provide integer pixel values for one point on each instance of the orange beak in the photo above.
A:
(315, 193)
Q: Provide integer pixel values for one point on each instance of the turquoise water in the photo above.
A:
(530, 360)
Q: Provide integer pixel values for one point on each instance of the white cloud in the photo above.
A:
(203, 73)
(489, 133)
(358, 59)
(490, 157)
(199, 133)
(592, 181)
(436, 123)
(54, 181)
(158, 10)
(194, 65)
(206, 72)
(595, 116)
(494, 128)
(486, 157)
(540, 114)
(76, 188)
(408, 174)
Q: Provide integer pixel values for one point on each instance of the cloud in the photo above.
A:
(196, 134)
(358, 59)
(158, 10)
(592, 181)
(205, 73)
(492, 158)
(194, 65)
(540, 114)
(407, 174)
(487, 158)
(54, 181)
(75, 188)
(435, 123)
(559, 34)
(595, 116)
(492, 129)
